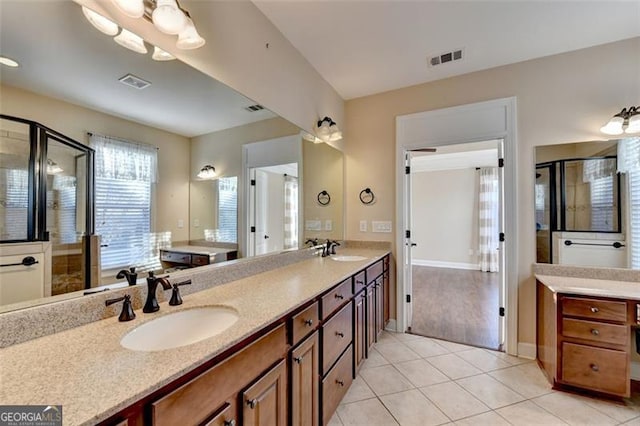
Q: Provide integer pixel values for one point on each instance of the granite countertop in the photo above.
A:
(591, 287)
(87, 371)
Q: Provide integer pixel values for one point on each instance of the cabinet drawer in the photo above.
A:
(336, 384)
(603, 370)
(224, 417)
(199, 259)
(359, 282)
(374, 271)
(336, 336)
(595, 331)
(304, 323)
(594, 309)
(172, 256)
(336, 298)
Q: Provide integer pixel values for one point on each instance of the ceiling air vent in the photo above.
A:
(254, 108)
(443, 58)
(135, 82)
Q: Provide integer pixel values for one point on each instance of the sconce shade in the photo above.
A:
(627, 120)
(131, 8)
(208, 172)
(327, 130)
(101, 23)
(189, 37)
(161, 55)
(53, 168)
(131, 41)
(168, 18)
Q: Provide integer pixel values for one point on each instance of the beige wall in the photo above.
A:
(172, 191)
(445, 223)
(236, 54)
(561, 98)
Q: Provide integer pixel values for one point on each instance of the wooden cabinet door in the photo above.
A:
(370, 308)
(360, 318)
(379, 307)
(225, 417)
(264, 403)
(305, 382)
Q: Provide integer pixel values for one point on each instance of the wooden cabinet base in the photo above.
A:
(598, 369)
(265, 402)
(336, 384)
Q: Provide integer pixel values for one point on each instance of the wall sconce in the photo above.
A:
(53, 168)
(208, 172)
(166, 15)
(327, 131)
(367, 196)
(627, 120)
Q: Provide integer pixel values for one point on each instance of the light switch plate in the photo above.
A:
(313, 225)
(328, 225)
(381, 226)
(363, 226)
(196, 223)
(180, 223)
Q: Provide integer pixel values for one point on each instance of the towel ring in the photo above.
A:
(366, 196)
(324, 198)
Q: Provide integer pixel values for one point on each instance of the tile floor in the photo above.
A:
(414, 380)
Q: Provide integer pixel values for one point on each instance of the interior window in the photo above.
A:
(228, 209)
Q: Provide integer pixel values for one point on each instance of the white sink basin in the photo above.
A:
(348, 258)
(180, 328)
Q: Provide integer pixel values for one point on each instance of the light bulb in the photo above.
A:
(168, 17)
(613, 127)
(101, 23)
(208, 172)
(131, 8)
(131, 41)
(189, 37)
(8, 62)
(634, 124)
(161, 55)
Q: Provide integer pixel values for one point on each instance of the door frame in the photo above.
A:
(495, 119)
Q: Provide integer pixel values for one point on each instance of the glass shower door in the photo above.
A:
(543, 201)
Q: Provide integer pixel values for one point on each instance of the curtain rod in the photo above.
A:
(123, 140)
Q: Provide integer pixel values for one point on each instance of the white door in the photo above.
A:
(408, 243)
(501, 247)
(261, 212)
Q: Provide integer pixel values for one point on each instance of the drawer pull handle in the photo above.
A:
(339, 296)
(230, 422)
(594, 309)
(594, 367)
(595, 332)
(298, 359)
(252, 404)
(339, 334)
(308, 322)
(359, 282)
(340, 382)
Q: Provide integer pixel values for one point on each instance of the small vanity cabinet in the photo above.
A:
(583, 341)
(294, 371)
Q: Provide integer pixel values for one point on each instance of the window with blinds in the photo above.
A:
(14, 202)
(602, 204)
(634, 218)
(228, 210)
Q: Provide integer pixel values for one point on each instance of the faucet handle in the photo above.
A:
(176, 299)
(127, 313)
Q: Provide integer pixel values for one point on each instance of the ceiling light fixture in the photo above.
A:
(53, 168)
(168, 17)
(627, 121)
(327, 130)
(8, 62)
(189, 37)
(208, 172)
(101, 23)
(161, 55)
(131, 8)
(131, 41)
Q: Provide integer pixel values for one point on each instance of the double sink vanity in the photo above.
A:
(281, 346)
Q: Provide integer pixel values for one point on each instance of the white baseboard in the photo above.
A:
(391, 325)
(527, 350)
(441, 264)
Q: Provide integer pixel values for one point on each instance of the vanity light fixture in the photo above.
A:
(208, 172)
(101, 23)
(627, 121)
(53, 168)
(8, 62)
(327, 130)
(131, 41)
(168, 17)
(131, 8)
(161, 55)
(189, 37)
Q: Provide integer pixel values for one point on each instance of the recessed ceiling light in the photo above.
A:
(8, 62)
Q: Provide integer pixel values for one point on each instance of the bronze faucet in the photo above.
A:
(151, 305)
(131, 275)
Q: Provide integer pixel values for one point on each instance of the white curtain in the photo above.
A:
(125, 160)
(629, 164)
(489, 219)
(290, 212)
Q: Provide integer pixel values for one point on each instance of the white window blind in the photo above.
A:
(634, 218)
(124, 174)
(228, 210)
(14, 201)
(602, 204)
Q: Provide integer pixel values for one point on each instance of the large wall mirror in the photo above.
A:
(587, 204)
(68, 80)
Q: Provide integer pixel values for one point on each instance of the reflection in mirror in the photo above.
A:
(190, 118)
(587, 204)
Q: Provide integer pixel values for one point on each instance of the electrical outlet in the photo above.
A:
(328, 225)
(381, 226)
(180, 223)
(363, 226)
(196, 223)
